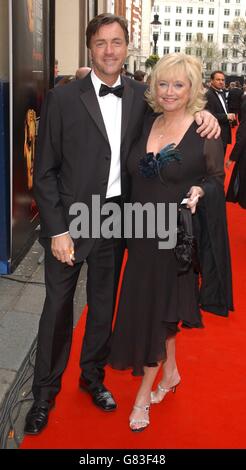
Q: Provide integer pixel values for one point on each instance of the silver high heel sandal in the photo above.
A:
(164, 390)
(143, 422)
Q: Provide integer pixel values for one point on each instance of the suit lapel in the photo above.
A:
(88, 97)
(218, 99)
(127, 101)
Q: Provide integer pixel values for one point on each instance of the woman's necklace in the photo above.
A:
(161, 132)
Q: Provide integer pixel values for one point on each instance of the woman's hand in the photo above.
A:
(208, 125)
(194, 194)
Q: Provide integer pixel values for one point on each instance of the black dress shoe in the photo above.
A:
(37, 416)
(101, 397)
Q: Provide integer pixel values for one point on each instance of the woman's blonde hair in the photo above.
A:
(169, 67)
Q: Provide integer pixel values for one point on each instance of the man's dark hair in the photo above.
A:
(214, 73)
(102, 20)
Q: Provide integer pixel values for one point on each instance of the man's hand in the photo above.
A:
(62, 248)
(208, 125)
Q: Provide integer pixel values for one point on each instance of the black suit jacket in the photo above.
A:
(234, 100)
(73, 152)
(237, 186)
(215, 107)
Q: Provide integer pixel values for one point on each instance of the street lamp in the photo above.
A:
(156, 29)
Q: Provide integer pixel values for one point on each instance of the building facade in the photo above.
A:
(192, 26)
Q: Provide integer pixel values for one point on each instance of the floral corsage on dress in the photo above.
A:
(151, 165)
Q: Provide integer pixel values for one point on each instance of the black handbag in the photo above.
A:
(186, 251)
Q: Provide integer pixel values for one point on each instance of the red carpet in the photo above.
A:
(208, 409)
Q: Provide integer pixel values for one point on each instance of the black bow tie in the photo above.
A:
(117, 90)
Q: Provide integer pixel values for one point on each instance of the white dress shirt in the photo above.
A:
(111, 109)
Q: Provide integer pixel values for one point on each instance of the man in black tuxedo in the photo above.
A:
(86, 130)
(235, 100)
(216, 104)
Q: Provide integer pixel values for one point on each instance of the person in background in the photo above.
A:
(56, 70)
(82, 72)
(169, 162)
(237, 187)
(85, 134)
(65, 80)
(234, 101)
(139, 75)
(216, 104)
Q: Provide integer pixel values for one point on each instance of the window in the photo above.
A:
(166, 50)
(224, 67)
(244, 68)
(225, 38)
(178, 22)
(226, 12)
(226, 24)
(200, 24)
(166, 36)
(177, 37)
(237, 12)
(177, 49)
(234, 53)
(188, 50)
(210, 24)
(189, 10)
(167, 9)
(244, 53)
(199, 37)
(234, 67)
(199, 52)
(167, 22)
(225, 53)
(235, 39)
(210, 37)
(227, 1)
(209, 52)
(178, 9)
(188, 37)
(189, 23)
(209, 66)
(200, 11)
(211, 11)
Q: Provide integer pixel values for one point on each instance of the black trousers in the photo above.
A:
(56, 322)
